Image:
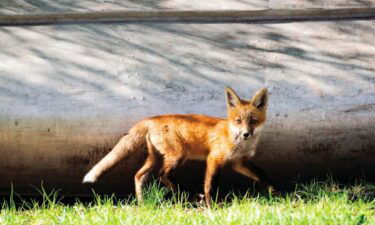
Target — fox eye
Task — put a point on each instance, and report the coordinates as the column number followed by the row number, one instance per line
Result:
column 253, row 122
column 238, row 121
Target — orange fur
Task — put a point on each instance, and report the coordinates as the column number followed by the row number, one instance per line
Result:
column 177, row 138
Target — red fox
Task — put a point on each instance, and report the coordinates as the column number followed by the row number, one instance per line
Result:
column 177, row 138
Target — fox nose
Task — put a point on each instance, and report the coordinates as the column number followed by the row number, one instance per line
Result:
column 245, row 135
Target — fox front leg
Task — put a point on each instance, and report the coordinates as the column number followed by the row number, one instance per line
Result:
column 265, row 182
column 239, row 167
column 213, row 167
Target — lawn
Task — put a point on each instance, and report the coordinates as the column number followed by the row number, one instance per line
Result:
column 315, row 203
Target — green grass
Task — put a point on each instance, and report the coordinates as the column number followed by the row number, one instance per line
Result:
column 316, row 203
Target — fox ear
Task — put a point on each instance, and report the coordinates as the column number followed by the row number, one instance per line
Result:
column 260, row 99
column 232, row 98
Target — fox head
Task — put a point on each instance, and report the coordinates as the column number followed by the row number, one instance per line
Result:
column 246, row 118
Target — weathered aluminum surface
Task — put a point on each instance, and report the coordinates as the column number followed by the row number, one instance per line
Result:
column 67, row 93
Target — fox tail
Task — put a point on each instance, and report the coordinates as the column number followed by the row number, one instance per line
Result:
column 135, row 139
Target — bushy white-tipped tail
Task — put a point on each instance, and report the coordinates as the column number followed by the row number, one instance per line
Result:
column 89, row 178
column 128, row 143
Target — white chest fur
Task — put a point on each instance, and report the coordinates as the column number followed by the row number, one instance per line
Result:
column 246, row 148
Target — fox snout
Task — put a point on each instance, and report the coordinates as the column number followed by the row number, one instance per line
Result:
column 247, row 134
column 241, row 136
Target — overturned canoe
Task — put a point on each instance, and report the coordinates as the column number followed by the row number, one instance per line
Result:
column 67, row 94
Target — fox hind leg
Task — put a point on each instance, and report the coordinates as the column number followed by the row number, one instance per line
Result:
column 143, row 175
column 169, row 166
